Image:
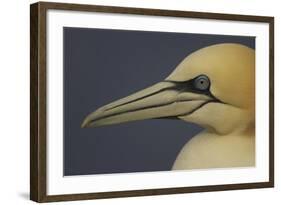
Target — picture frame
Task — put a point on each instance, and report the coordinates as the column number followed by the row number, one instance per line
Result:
column 44, row 148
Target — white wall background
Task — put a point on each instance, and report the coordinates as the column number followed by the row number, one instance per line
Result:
column 14, row 101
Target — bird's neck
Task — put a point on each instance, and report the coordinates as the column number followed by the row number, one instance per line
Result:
column 243, row 130
column 212, row 150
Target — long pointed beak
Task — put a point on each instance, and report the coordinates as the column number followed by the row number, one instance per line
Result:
column 162, row 100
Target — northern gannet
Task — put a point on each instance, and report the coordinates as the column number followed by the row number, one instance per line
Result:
column 213, row 87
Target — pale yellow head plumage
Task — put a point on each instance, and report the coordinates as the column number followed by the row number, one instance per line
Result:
column 230, row 67
column 231, row 70
column 228, row 105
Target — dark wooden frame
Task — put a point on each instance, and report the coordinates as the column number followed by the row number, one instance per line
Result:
column 38, row 101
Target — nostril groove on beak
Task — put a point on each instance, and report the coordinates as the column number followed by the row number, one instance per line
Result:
column 139, row 98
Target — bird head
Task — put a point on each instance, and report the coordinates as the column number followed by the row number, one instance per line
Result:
column 213, row 87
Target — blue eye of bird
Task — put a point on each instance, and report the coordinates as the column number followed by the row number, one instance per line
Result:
column 201, row 83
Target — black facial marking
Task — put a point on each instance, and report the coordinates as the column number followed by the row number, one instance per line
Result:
column 192, row 111
column 200, row 84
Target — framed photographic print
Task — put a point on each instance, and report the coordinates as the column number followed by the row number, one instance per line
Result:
column 133, row 102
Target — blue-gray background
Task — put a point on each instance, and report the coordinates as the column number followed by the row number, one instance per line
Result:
column 101, row 66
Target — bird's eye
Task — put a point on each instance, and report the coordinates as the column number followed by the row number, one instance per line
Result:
column 202, row 82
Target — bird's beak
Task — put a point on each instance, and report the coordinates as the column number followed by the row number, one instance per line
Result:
column 166, row 99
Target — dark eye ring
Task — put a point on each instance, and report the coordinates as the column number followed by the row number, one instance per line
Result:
column 201, row 83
